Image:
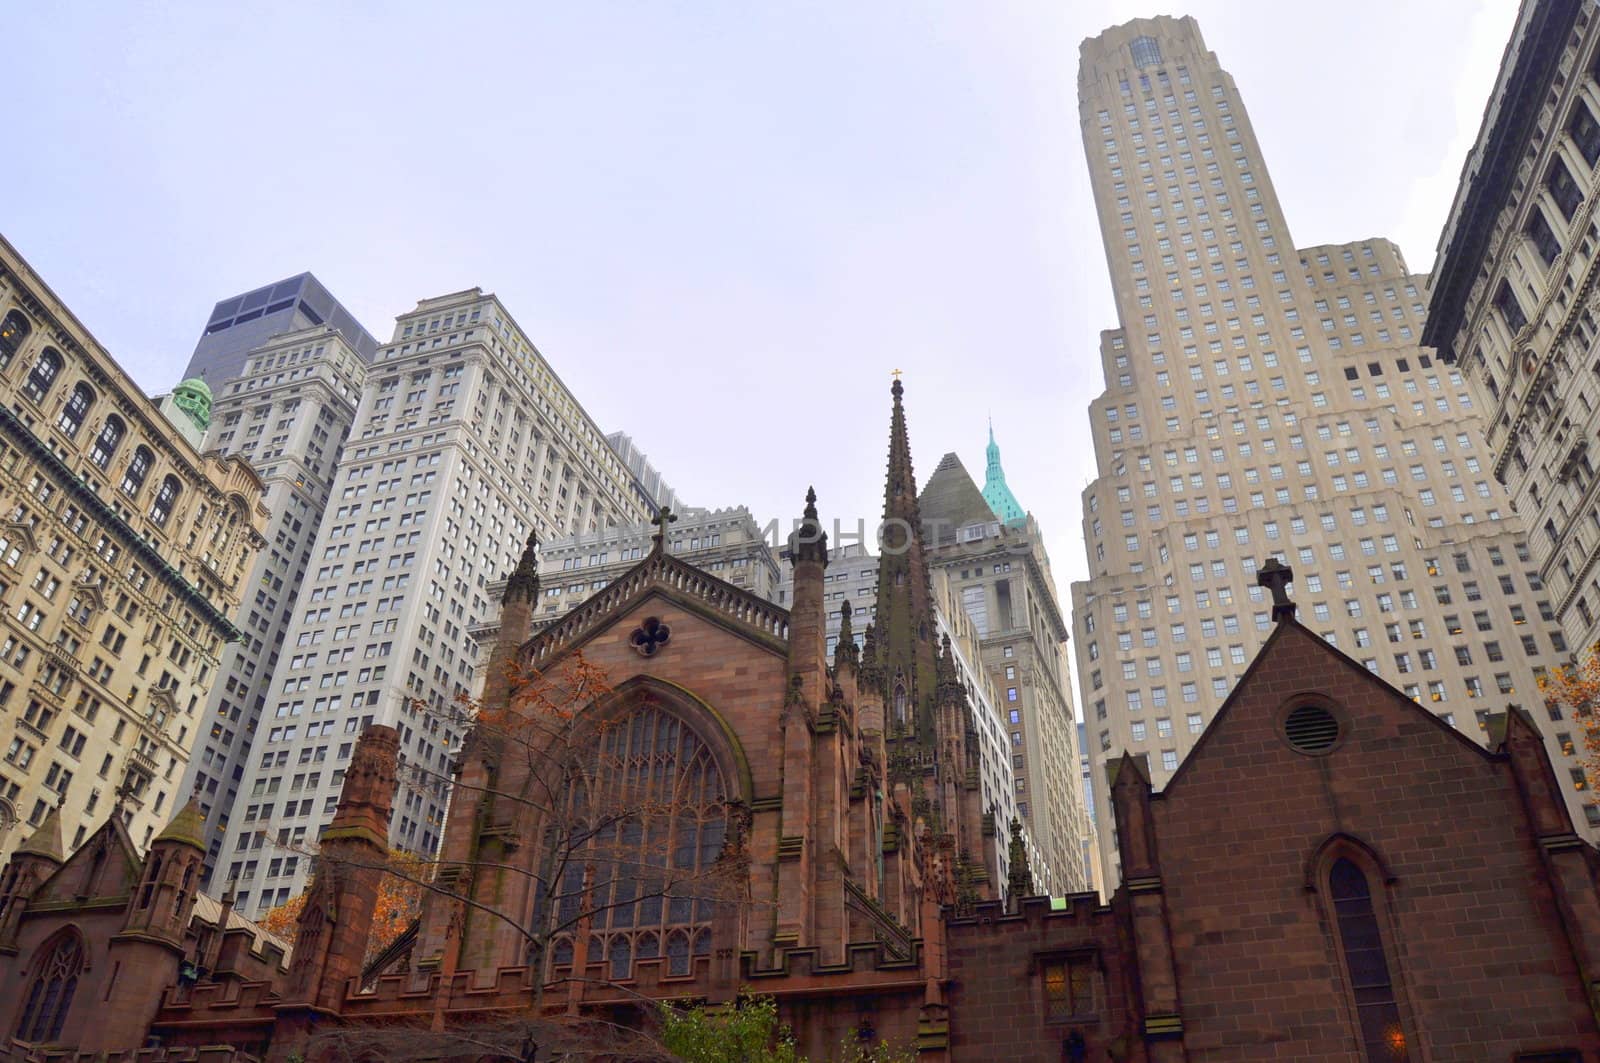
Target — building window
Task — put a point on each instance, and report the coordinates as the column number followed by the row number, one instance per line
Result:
column 1563, row 189
column 138, row 469
column 105, row 444
column 50, row 996
column 165, row 499
column 1505, row 301
column 1585, row 133
column 43, row 374
column 1377, row 1012
column 1543, row 237
column 1146, row 52
column 12, row 335
column 1068, row 988
column 75, row 410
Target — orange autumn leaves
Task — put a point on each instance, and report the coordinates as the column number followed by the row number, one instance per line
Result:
column 1575, row 688
column 399, row 901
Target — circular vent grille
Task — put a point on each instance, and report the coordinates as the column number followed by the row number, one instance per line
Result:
column 1311, row 729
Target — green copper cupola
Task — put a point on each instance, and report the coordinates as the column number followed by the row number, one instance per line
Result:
column 995, row 492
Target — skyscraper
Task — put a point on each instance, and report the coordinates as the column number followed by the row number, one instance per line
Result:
column 288, row 414
column 1511, row 299
column 999, row 577
column 1266, row 401
column 241, row 323
column 464, row 442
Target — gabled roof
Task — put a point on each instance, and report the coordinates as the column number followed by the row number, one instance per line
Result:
column 121, row 870
column 1282, row 641
column 720, row 602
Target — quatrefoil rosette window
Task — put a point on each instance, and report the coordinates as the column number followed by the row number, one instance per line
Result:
column 650, row 636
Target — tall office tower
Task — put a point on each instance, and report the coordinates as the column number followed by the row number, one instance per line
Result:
column 123, row 554
column 852, row 576
column 727, row 542
column 288, row 415
column 648, row 483
column 992, row 552
column 1263, row 401
column 1512, row 300
column 238, row 325
column 464, row 442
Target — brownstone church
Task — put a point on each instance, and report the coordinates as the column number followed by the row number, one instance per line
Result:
column 1334, row 873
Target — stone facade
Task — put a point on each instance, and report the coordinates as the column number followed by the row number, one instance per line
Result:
column 123, row 558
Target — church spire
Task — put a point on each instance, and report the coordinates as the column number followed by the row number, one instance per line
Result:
column 995, row 492
column 906, row 642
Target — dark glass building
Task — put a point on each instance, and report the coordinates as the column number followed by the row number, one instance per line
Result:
column 240, row 324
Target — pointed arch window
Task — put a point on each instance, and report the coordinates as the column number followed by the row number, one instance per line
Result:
column 165, row 499
column 138, row 469
column 75, row 410
column 13, row 333
column 1377, row 1009
column 49, row 996
column 105, row 444
column 899, row 705
column 660, row 799
column 43, row 374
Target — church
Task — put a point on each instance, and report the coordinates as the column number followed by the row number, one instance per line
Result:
column 672, row 794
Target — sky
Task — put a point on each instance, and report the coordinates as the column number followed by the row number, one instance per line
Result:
column 724, row 224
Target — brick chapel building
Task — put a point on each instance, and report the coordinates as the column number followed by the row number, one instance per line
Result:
column 1334, row 874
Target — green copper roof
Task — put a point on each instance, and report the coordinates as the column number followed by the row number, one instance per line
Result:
column 995, row 491
column 188, row 826
column 193, row 397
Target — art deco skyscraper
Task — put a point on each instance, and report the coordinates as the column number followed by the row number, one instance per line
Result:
column 463, row 442
column 1267, row 401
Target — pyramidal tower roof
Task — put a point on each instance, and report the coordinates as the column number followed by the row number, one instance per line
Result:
column 995, row 492
column 188, row 826
column 46, row 841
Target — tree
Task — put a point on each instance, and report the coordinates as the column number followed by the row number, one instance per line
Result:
column 1576, row 687
column 748, row 1031
column 399, row 902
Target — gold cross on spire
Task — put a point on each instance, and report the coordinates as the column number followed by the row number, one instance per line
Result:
column 895, row 374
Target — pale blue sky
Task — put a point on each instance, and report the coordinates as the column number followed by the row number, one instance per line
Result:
column 723, row 223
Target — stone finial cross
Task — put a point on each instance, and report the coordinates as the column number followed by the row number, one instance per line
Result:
column 1276, row 577
column 664, row 517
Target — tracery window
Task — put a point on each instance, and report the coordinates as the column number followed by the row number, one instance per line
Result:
column 660, row 800
column 50, row 995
